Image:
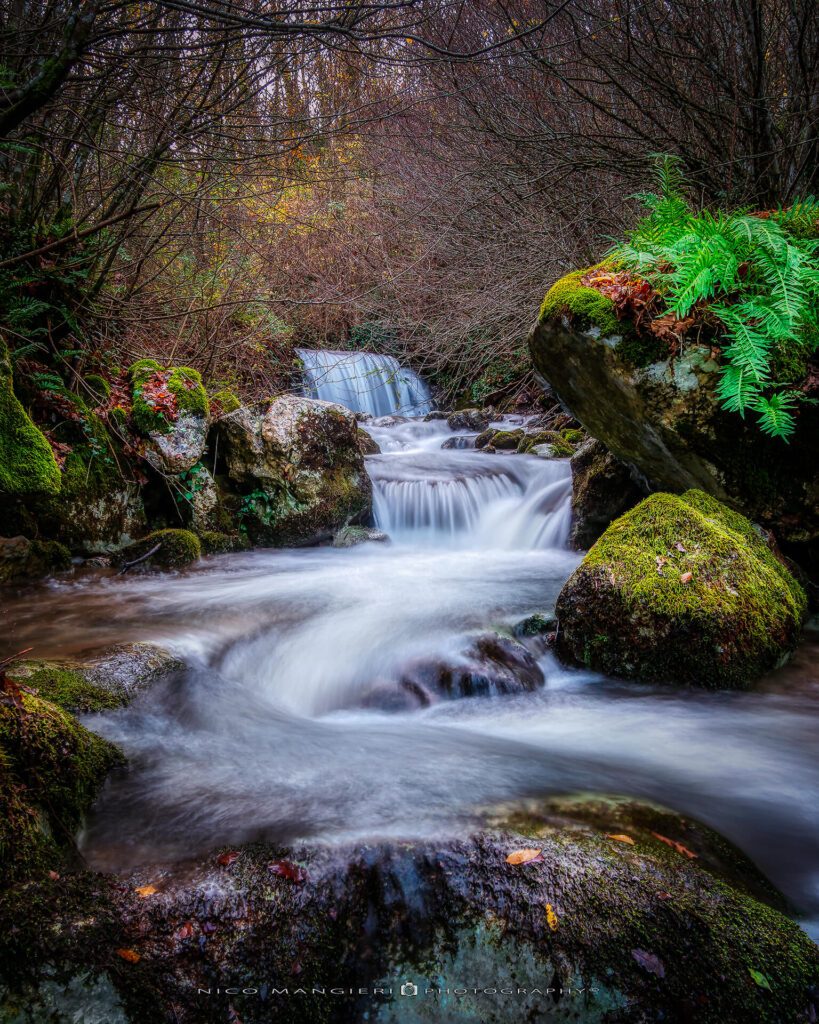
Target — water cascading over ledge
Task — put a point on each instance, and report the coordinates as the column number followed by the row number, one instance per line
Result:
column 364, row 382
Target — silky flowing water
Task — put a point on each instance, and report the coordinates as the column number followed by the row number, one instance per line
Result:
column 269, row 732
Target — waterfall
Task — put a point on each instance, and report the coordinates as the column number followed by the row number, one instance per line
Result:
column 364, row 382
column 468, row 499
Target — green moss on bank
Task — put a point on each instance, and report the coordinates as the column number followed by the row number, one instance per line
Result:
column 65, row 687
column 51, row 768
column 225, row 400
column 27, row 463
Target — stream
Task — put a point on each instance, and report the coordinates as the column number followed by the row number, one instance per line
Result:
column 274, row 731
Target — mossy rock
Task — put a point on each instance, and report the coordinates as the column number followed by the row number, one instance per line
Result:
column 586, row 307
column 22, row 559
column 215, row 543
column 574, row 435
column 505, row 440
column 51, row 768
column 175, row 549
column 66, row 686
column 620, row 931
column 561, row 448
column 224, row 400
column 99, row 386
column 681, row 589
column 27, row 463
column 367, row 444
column 182, row 382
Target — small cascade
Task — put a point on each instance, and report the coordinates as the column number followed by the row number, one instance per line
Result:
column 450, row 498
column 364, row 382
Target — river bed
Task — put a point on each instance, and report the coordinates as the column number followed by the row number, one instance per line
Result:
column 269, row 732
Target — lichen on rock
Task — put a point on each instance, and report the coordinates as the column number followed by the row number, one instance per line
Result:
column 681, row 589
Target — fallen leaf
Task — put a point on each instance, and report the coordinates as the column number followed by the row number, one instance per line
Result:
column 760, row 979
column 620, row 838
column 287, row 869
column 686, row 577
column 129, row 954
column 661, row 560
column 184, row 931
column 680, row 547
column 525, row 856
column 551, row 917
column 54, row 876
column 226, row 859
column 664, row 895
column 675, row 845
column 649, row 962
column 145, row 890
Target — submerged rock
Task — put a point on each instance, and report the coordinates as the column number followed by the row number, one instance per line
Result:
column 350, row 536
column 663, row 416
column 603, row 488
column 681, row 589
column 458, row 443
column 626, row 912
column 298, row 465
column 490, row 664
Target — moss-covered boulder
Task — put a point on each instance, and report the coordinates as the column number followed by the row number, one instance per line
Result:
column 103, row 681
column 51, row 768
column 171, row 409
column 22, row 559
column 27, row 463
column 681, row 589
column 215, row 543
column 560, row 447
column 162, row 549
column 297, row 468
column 504, row 440
column 607, row 921
column 603, row 488
column 657, row 409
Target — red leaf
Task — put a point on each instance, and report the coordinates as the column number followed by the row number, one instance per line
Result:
column 184, row 931
column 287, row 869
column 226, row 859
column 675, row 845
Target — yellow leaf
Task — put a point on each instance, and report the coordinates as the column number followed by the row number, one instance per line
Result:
column 551, row 917
column 620, row 839
column 145, row 890
column 130, row 955
column 522, row 856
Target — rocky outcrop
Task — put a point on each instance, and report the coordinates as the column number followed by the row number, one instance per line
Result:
column 469, row 419
column 660, row 413
column 297, row 465
column 603, row 488
column 684, row 590
column 587, row 910
column 22, row 559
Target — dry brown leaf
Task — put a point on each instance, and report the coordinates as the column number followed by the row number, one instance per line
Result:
column 686, row 577
column 551, row 917
column 145, row 890
column 129, row 954
column 620, row 838
column 675, row 845
column 525, row 856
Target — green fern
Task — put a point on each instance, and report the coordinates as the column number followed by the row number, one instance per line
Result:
column 758, row 274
